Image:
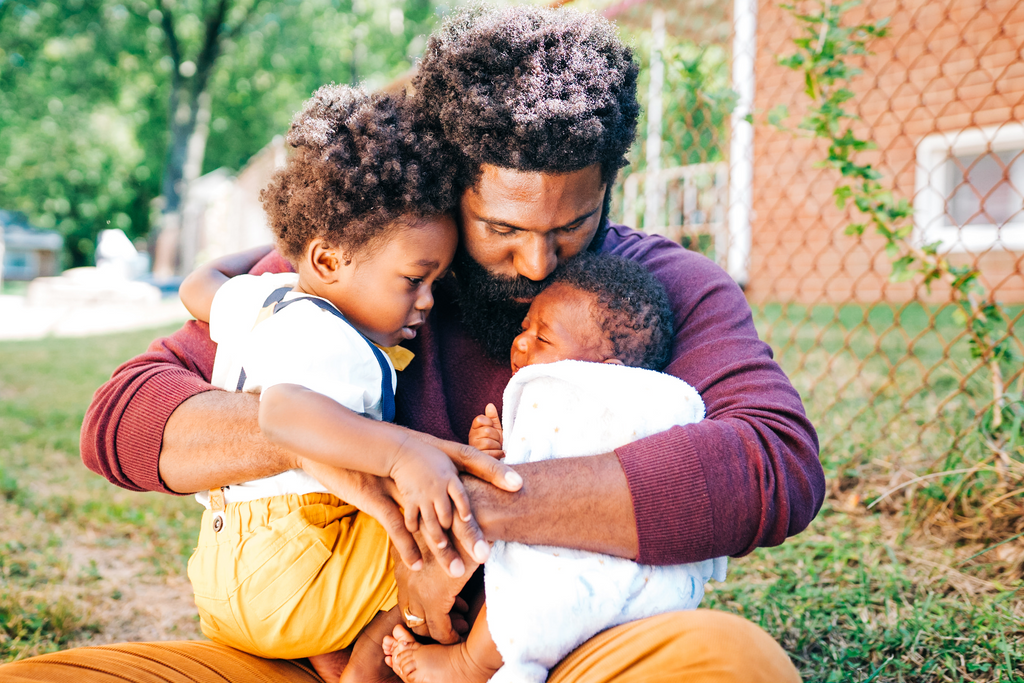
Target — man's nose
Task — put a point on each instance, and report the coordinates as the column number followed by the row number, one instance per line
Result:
column 537, row 258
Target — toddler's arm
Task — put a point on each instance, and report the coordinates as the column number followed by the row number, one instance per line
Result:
column 485, row 434
column 425, row 470
column 198, row 289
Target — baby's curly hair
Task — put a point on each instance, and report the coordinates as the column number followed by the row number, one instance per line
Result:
column 531, row 89
column 632, row 307
column 361, row 162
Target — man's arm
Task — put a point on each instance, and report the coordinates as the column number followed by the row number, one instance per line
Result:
column 745, row 477
column 585, row 497
column 159, row 425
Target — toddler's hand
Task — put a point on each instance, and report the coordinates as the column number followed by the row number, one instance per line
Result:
column 428, row 485
column 485, row 434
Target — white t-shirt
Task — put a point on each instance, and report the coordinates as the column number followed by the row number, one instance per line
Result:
column 302, row 344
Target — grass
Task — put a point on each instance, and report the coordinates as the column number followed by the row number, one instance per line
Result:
column 61, row 523
column 860, row 596
column 848, row 602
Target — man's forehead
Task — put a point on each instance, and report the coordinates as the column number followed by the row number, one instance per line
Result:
column 534, row 200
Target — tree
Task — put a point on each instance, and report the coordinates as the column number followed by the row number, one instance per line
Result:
column 86, row 89
column 189, row 102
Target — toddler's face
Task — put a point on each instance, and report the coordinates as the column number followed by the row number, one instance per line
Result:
column 560, row 325
column 386, row 293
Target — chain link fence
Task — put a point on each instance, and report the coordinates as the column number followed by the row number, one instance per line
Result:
column 912, row 410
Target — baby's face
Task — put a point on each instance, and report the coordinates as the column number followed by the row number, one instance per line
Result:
column 560, row 325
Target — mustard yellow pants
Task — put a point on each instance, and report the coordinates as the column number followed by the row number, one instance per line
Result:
column 702, row 646
column 290, row 576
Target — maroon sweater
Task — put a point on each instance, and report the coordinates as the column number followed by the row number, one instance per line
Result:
column 747, row 476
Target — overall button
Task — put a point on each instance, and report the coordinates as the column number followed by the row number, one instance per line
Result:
column 218, row 521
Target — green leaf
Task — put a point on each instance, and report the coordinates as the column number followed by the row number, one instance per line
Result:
column 842, row 194
column 778, row 115
column 901, row 271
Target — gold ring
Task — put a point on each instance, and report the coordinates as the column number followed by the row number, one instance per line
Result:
column 411, row 620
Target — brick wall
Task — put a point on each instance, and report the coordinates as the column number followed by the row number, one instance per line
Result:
column 944, row 66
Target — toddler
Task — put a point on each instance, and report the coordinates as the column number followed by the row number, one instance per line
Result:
column 283, row 568
column 541, row 603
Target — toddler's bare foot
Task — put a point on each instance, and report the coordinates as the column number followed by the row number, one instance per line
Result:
column 330, row 665
column 417, row 663
column 367, row 663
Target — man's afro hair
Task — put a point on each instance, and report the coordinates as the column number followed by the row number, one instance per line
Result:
column 632, row 307
column 360, row 163
column 531, row 89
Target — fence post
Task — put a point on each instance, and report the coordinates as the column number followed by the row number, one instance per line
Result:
column 653, row 185
column 741, row 144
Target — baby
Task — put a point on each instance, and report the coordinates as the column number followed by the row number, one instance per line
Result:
column 283, row 568
column 541, row 603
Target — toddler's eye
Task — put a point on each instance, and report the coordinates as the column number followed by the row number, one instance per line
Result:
column 415, row 281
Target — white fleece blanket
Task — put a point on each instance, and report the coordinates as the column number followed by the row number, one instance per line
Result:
column 543, row 602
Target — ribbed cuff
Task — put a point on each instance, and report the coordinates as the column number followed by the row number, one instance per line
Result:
column 669, row 488
column 140, row 430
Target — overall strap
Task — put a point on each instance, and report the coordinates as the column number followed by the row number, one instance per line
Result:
column 265, row 312
column 387, row 390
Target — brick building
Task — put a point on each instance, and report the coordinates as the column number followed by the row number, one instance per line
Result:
column 942, row 97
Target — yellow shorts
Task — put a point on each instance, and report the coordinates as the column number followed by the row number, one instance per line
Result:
column 291, row 576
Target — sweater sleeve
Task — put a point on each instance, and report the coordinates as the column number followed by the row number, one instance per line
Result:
column 749, row 474
column 123, row 428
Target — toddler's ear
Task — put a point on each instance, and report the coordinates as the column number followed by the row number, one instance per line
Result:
column 613, row 361
column 325, row 261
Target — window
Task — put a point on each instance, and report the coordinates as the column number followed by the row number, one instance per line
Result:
column 970, row 189
column 20, row 265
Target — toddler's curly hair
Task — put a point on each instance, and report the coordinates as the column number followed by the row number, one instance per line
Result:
column 361, row 162
column 531, row 89
column 631, row 306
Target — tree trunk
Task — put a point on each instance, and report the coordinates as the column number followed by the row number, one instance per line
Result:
column 188, row 97
column 184, row 111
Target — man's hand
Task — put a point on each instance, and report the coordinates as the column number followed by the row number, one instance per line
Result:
column 433, row 595
column 466, row 532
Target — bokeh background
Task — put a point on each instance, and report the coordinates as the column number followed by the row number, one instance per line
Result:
column 857, row 168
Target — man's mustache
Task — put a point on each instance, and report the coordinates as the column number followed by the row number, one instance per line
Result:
column 517, row 287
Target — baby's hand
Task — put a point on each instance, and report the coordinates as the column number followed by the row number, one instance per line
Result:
column 485, row 434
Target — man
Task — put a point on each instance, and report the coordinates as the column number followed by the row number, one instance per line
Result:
column 542, row 105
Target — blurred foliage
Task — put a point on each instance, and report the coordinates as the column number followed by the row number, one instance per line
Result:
column 85, row 84
column 697, row 103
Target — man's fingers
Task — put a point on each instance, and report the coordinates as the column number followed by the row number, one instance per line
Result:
column 490, row 470
column 415, row 609
column 405, row 544
column 469, row 536
column 439, row 627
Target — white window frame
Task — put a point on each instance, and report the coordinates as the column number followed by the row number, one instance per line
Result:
column 931, row 192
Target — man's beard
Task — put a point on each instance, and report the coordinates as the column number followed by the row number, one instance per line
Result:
column 490, row 312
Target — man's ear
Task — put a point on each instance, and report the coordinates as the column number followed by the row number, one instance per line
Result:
column 613, row 361
column 325, row 261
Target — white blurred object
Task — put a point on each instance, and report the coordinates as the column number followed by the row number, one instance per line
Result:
column 91, row 286
column 115, row 253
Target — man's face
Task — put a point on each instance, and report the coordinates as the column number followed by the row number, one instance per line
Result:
column 516, row 226
column 521, row 224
